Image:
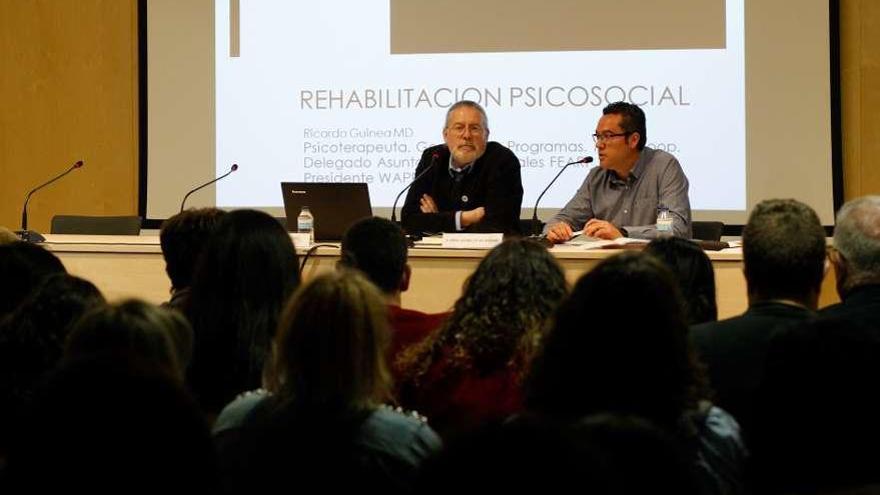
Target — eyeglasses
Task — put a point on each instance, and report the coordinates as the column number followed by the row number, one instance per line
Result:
column 461, row 128
column 601, row 138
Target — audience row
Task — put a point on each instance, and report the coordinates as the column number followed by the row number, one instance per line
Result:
column 623, row 383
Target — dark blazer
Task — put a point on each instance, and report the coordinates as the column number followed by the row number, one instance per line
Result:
column 816, row 411
column 735, row 351
column 493, row 182
column 862, row 305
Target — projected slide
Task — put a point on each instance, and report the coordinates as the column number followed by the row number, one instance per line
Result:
column 354, row 91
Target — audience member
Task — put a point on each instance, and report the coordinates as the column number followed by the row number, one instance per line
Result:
column 470, row 370
column 111, row 425
column 815, row 417
column 245, row 274
column 134, row 328
column 856, row 260
column 377, row 247
column 23, row 267
column 619, row 345
column 694, row 274
column 601, row 455
column 323, row 423
column 183, row 237
column 32, row 341
column 784, row 263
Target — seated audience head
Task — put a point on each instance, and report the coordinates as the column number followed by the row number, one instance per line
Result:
column 244, row 276
column 377, row 247
column 619, row 344
column 183, row 236
column 23, row 266
column 331, row 342
column 602, row 454
column 500, row 318
column 857, row 244
column 784, row 252
column 110, row 425
column 694, row 273
column 32, row 340
column 133, row 328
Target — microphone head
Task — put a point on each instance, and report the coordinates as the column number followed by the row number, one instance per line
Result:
column 234, row 167
column 587, row 159
column 78, row 164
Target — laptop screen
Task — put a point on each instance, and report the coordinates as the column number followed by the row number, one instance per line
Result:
column 335, row 206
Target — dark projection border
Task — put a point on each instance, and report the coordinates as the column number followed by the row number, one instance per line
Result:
column 142, row 116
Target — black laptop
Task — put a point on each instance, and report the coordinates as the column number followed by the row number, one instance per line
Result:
column 335, row 206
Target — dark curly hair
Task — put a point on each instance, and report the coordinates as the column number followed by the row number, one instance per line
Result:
column 500, row 318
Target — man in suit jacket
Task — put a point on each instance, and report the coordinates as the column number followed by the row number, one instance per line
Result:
column 856, row 260
column 817, row 376
column 784, row 263
column 473, row 185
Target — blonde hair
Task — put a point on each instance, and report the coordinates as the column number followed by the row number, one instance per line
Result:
column 331, row 344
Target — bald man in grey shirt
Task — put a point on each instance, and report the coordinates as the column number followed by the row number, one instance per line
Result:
column 621, row 197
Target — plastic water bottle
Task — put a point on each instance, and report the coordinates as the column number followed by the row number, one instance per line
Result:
column 664, row 222
column 305, row 223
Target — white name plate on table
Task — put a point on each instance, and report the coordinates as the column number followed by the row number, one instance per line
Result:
column 471, row 241
column 301, row 240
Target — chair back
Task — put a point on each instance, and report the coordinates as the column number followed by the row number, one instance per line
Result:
column 87, row 225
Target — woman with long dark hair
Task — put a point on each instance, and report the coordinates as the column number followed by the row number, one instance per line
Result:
column 469, row 371
column 619, row 345
column 245, row 274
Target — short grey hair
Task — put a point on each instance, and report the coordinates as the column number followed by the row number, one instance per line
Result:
column 857, row 238
column 467, row 103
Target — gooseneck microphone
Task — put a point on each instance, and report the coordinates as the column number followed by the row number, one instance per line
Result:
column 29, row 235
column 206, row 184
column 535, row 221
column 434, row 158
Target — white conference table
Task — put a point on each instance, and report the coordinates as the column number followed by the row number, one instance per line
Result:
column 132, row 266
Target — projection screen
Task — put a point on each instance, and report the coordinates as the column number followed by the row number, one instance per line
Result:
column 353, row 91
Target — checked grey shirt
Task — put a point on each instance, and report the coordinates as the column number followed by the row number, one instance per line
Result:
column 656, row 180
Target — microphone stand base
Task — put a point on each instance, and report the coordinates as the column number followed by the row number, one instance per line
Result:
column 542, row 239
column 30, row 236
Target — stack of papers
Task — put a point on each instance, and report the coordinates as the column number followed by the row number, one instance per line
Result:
column 588, row 242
